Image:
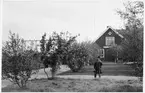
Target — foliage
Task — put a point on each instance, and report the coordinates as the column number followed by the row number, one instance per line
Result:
column 77, row 56
column 133, row 45
column 54, row 50
column 116, row 51
column 17, row 61
column 92, row 51
column 133, row 14
column 139, row 70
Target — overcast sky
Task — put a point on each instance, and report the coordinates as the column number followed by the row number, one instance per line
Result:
column 31, row 18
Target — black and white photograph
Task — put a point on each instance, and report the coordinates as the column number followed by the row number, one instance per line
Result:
column 72, row 45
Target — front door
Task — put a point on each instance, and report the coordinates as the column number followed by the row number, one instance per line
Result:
column 108, row 56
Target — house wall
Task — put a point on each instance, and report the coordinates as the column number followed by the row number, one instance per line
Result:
column 102, row 42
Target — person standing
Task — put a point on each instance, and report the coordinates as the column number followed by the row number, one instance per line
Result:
column 97, row 66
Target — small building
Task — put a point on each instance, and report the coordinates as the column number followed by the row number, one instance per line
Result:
column 107, row 39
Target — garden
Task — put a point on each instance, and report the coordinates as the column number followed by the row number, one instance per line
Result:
column 62, row 64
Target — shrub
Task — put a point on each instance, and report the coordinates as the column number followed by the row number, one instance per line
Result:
column 54, row 50
column 77, row 57
column 116, row 51
column 17, row 61
column 92, row 51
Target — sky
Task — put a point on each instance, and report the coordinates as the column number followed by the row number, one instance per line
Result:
column 32, row 18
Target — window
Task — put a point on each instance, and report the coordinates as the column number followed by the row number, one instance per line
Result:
column 110, row 41
column 101, row 53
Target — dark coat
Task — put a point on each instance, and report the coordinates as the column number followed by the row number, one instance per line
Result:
column 98, row 65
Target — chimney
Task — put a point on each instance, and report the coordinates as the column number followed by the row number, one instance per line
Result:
column 108, row 26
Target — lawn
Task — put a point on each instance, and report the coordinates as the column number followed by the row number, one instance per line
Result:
column 105, row 84
column 109, row 68
column 79, row 85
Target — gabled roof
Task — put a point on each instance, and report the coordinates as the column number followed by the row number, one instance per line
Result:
column 117, row 32
column 109, row 27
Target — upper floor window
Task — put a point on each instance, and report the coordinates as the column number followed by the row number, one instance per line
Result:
column 110, row 41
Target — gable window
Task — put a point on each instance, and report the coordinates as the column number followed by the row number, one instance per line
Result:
column 110, row 41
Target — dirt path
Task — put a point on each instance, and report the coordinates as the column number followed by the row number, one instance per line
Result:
column 103, row 77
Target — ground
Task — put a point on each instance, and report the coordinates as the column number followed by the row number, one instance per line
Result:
column 115, row 78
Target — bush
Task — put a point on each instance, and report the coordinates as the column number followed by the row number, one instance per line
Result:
column 115, row 53
column 54, row 50
column 77, row 57
column 17, row 61
column 92, row 51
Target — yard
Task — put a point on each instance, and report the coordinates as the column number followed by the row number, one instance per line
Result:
column 115, row 78
column 108, row 68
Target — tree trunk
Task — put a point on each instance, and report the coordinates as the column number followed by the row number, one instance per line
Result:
column 53, row 71
column 46, row 73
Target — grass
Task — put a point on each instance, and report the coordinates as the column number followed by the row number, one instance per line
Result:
column 107, row 69
column 77, row 85
column 84, row 85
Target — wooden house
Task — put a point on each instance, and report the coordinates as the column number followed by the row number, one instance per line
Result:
column 107, row 39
